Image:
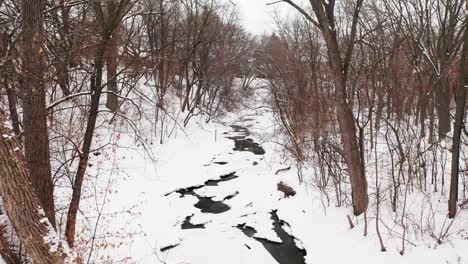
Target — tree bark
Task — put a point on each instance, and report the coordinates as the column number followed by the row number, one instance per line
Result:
column 23, row 206
column 34, row 105
column 11, row 95
column 442, row 98
column 348, row 130
column 458, row 127
column 112, row 102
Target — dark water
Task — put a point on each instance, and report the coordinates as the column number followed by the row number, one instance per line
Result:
column 168, row 247
column 229, row 197
column 238, row 132
column 206, row 204
column 240, row 129
column 248, row 145
column 223, row 178
column 285, row 252
column 190, row 190
column 187, row 225
column 241, row 143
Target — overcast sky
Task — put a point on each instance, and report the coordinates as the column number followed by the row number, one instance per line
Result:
column 257, row 17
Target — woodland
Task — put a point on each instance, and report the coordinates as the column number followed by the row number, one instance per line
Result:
column 121, row 119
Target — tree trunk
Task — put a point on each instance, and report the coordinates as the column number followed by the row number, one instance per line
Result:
column 348, row 134
column 112, row 102
column 343, row 110
column 63, row 77
column 23, row 206
column 109, row 23
column 11, row 95
column 459, row 117
column 6, row 75
column 442, row 98
column 64, row 58
column 96, row 88
column 34, row 110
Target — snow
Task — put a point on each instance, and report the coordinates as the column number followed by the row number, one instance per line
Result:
column 53, row 240
column 8, row 137
column 143, row 213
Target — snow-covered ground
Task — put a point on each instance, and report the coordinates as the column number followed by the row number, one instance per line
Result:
column 147, row 203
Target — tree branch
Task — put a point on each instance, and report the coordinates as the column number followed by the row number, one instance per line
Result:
column 352, row 37
column 301, row 10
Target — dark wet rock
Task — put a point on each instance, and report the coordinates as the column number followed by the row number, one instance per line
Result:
column 169, row 247
column 248, row 145
column 285, row 252
column 188, row 225
column 255, row 163
column 207, row 205
column 220, row 162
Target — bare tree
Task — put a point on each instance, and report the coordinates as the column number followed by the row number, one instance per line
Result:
column 34, row 105
column 339, row 65
column 108, row 23
column 459, row 118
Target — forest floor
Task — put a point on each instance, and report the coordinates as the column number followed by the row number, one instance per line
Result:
column 201, row 201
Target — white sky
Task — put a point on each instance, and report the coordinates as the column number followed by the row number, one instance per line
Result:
column 257, row 17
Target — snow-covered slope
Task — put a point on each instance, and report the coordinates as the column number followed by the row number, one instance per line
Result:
column 201, row 202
